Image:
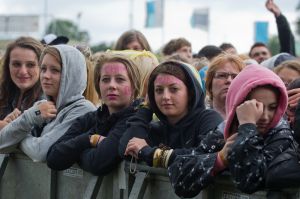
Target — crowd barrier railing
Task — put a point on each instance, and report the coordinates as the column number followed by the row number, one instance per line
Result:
column 22, row 178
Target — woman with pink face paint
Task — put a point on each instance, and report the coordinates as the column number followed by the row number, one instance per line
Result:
column 176, row 98
column 20, row 86
column 93, row 139
column 255, row 136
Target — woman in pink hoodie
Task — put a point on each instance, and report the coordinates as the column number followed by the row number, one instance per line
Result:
column 255, row 134
column 255, row 131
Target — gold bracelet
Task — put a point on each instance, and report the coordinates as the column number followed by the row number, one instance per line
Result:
column 156, row 158
column 94, row 139
column 163, row 157
column 168, row 157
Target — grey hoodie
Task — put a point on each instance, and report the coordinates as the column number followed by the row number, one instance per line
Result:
column 70, row 104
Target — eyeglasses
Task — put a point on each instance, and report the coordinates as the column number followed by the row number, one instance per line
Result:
column 225, row 75
column 264, row 53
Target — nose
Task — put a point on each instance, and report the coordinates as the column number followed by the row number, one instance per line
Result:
column 264, row 116
column 229, row 79
column 46, row 74
column 112, row 84
column 166, row 95
column 23, row 69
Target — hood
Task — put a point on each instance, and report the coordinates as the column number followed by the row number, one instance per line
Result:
column 274, row 61
column 249, row 78
column 195, row 105
column 73, row 78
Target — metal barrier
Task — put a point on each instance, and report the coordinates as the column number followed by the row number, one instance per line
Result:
column 22, row 178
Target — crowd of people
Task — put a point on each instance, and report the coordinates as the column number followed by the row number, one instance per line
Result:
column 195, row 115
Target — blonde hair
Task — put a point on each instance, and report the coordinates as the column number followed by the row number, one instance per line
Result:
column 217, row 64
column 291, row 64
column 145, row 61
column 89, row 92
column 51, row 51
column 132, row 70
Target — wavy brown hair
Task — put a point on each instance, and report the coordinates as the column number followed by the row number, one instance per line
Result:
column 131, row 36
column 7, row 86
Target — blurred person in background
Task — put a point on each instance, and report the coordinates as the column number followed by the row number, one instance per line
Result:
column 179, row 46
column 132, row 40
column 222, row 70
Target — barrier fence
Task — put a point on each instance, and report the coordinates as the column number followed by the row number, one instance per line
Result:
column 22, row 178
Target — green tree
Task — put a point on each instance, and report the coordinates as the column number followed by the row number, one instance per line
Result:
column 68, row 29
column 298, row 20
column 101, row 47
column 273, row 45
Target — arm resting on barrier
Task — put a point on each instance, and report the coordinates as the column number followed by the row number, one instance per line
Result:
column 67, row 149
column 251, row 154
column 18, row 129
column 37, row 147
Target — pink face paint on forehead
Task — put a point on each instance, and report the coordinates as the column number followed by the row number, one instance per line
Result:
column 167, row 80
column 113, row 68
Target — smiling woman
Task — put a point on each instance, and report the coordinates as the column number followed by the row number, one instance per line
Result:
column 63, row 78
column 20, row 86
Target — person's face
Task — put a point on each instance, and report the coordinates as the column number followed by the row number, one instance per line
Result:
column 23, row 68
column 222, row 80
column 270, row 103
column 171, row 97
column 186, row 51
column 115, row 86
column 288, row 75
column 135, row 45
column 50, row 76
column 260, row 54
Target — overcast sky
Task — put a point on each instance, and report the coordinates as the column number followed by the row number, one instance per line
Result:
column 105, row 20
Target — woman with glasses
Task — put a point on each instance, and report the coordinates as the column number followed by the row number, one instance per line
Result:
column 222, row 70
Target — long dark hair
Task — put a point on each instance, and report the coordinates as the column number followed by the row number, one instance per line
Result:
column 8, row 89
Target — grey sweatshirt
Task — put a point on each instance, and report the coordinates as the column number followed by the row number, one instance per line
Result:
column 70, row 104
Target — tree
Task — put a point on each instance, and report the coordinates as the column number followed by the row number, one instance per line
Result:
column 298, row 20
column 67, row 28
column 101, row 47
column 273, row 45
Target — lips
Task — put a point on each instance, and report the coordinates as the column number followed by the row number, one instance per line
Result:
column 112, row 96
column 23, row 79
column 46, row 84
column 167, row 105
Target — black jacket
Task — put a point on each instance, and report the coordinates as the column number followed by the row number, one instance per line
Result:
column 285, row 35
column 190, row 173
column 252, row 154
column 187, row 136
column 74, row 146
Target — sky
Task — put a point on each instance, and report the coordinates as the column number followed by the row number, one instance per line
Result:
column 105, row 20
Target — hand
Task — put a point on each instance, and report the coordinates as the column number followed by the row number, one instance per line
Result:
column 47, row 109
column 249, row 112
column 272, row 7
column 96, row 139
column 12, row 116
column 134, row 146
column 227, row 147
column 294, row 97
